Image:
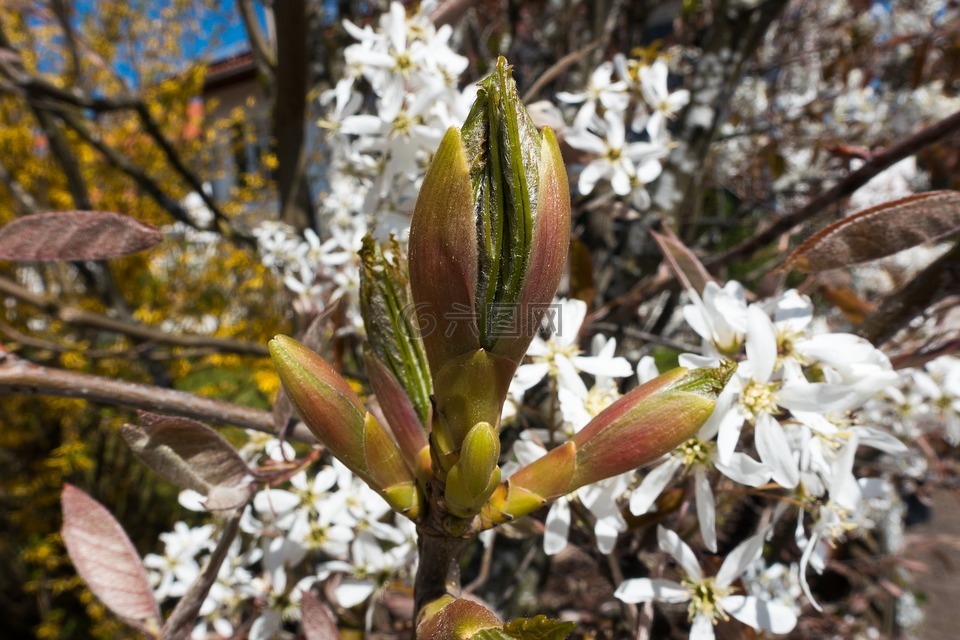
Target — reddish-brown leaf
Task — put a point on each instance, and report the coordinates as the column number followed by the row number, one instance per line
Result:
column 686, row 266
column 317, row 619
column 106, row 559
column 75, row 235
column 192, row 456
column 879, row 231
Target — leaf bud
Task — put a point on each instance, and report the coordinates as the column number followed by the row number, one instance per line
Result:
column 476, row 474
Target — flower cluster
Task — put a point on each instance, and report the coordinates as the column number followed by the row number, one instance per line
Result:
column 629, row 158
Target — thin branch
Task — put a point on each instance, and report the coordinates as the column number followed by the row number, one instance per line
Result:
column 20, row 376
column 938, row 280
column 181, row 621
column 904, row 149
column 83, row 318
column 557, row 69
column 20, row 195
column 260, row 46
column 451, row 11
column 877, row 163
column 609, row 25
column 122, row 163
column 177, row 163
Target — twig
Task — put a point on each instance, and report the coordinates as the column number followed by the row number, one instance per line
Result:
column 185, row 614
column 556, row 69
column 877, row 163
column 631, row 616
column 177, row 163
column 84, row 318
column 451, row 11
column 609, row 24
column 486, row 561
column 20, row 376
column 260, row 46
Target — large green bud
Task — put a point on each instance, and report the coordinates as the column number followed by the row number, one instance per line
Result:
column 488, row 243
column 638, row 428
column 338, row 419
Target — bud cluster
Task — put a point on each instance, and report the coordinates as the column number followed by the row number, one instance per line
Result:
column 489, row 237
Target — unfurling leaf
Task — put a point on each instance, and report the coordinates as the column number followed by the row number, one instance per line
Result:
column 75, row 235
column 449, row 618
column 106, row 559
column 389, row 319
column 192, row 456
column 879, row 231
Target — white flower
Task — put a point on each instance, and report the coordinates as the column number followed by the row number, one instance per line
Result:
column 719, row 316
column 940, row 383
column 560, row 356
column 665, row 105
column 600, row 88
column 711, row 598
column 600, row 498
column 698, row 457
column 616, row 159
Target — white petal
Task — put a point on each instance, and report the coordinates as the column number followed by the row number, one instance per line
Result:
column 527, row 376
column 706, row 510
column 881, row 440
column 837, row 348
column 671, row 543
column 557, row 527
column 816, row 396
column 761, row 343
column 527, row 451
column 696, row 317
column 637, row 590
column 646, row 369
column 643, row 497
column 728, row 435
column 264, row 627
column 793, row 312
column 804, row 562
column 616, row 133
column 744, row 469
column 702, row 628
column 760, row 614
column 774, row 450
column 352, row 592
column 617, row 367
column 620, row 179
column 568, row 377
column 572, row 313
column 362, row 125
column 579, row 138
column 607, row 530
column 743, row 555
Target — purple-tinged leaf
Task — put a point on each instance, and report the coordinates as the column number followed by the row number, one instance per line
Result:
column 317, row 619
column 682, row 261
column 192, row 456
column 879, row 231
column 106, row 559
column 75, row 235
column 398, row 409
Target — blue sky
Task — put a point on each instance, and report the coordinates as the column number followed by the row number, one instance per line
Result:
column 224, row 21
